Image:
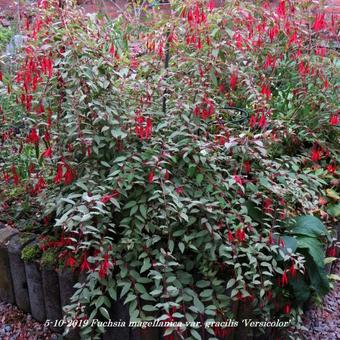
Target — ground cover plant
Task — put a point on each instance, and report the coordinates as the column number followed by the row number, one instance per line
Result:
column 178, row 161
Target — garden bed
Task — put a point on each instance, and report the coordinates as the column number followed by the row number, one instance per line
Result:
column 180, row 168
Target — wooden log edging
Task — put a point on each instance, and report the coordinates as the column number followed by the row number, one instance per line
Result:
column 17, row 268
column 6, row 283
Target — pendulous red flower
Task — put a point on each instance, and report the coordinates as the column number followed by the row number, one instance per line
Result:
column 151, row 176
column 33, row 137
column 287, row 308
column 331, row 168
column 233, row 80
column 284, row 279
column 319, row 22
column 334, row 119
column 316, row 154
column 47, row 153
column 85, row 266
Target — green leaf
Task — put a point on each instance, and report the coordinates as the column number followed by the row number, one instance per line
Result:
column 146, row 265
column 254, row 212
column 309, row 226
column 104, row 312
column 199, row 305
column 143, row 210
column 202, row 284
column 181, row 247
column 334, row 210
column 130, row 297
column 125, row 289
column 195, row 334
column 113, row 293
column 314, row 248
column 199, row 179
column 149, row 308
column 230, row 283
column 289, row 242
column 206, row 293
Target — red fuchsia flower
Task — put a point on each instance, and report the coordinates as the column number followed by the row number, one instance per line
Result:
column 199, row 43
column 238, row 40
column 41, row 184
column 320, row 51
column 281, row 9
column 203, row 17
column 316, row 154
column 253, row 121
column 281, row 243
column 172, row 37
column 143, row 128
column 0, row 76
column 269, row 295
column 85, row 266
column 15, row 175
column 230, row 236
column 283, row 215
column 331, row 252
column 238, row 179
column 262, row 121
column 68, row 176
column 331, row 168
column 273, row 32
column 267, row 205
column 70, row 262
column 240, row 235
column 287, row 308
column 211, row 5
column 112, row 50
column 319, row 22
column 270, row 238
column 166, row 175
column 270, row 61
column 151, row 176
column 303, row 68
column 104, row 267
column 233, row 80
column 325, row 84
column 47, row 153
column 247, row 166
column 179, row 190
column 266, row 91
column 292, row 270
column 187, row 39
column 106, row 198
column 59, row 175
column 134, row 63
column 284, row 279
column 33, row 137
column 6, row 177
column 334, row 119
column 293, row 39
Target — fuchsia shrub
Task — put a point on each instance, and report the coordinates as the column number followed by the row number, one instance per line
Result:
column 186, row 212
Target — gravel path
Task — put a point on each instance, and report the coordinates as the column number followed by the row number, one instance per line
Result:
column 323, row 322
column 16, row 325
